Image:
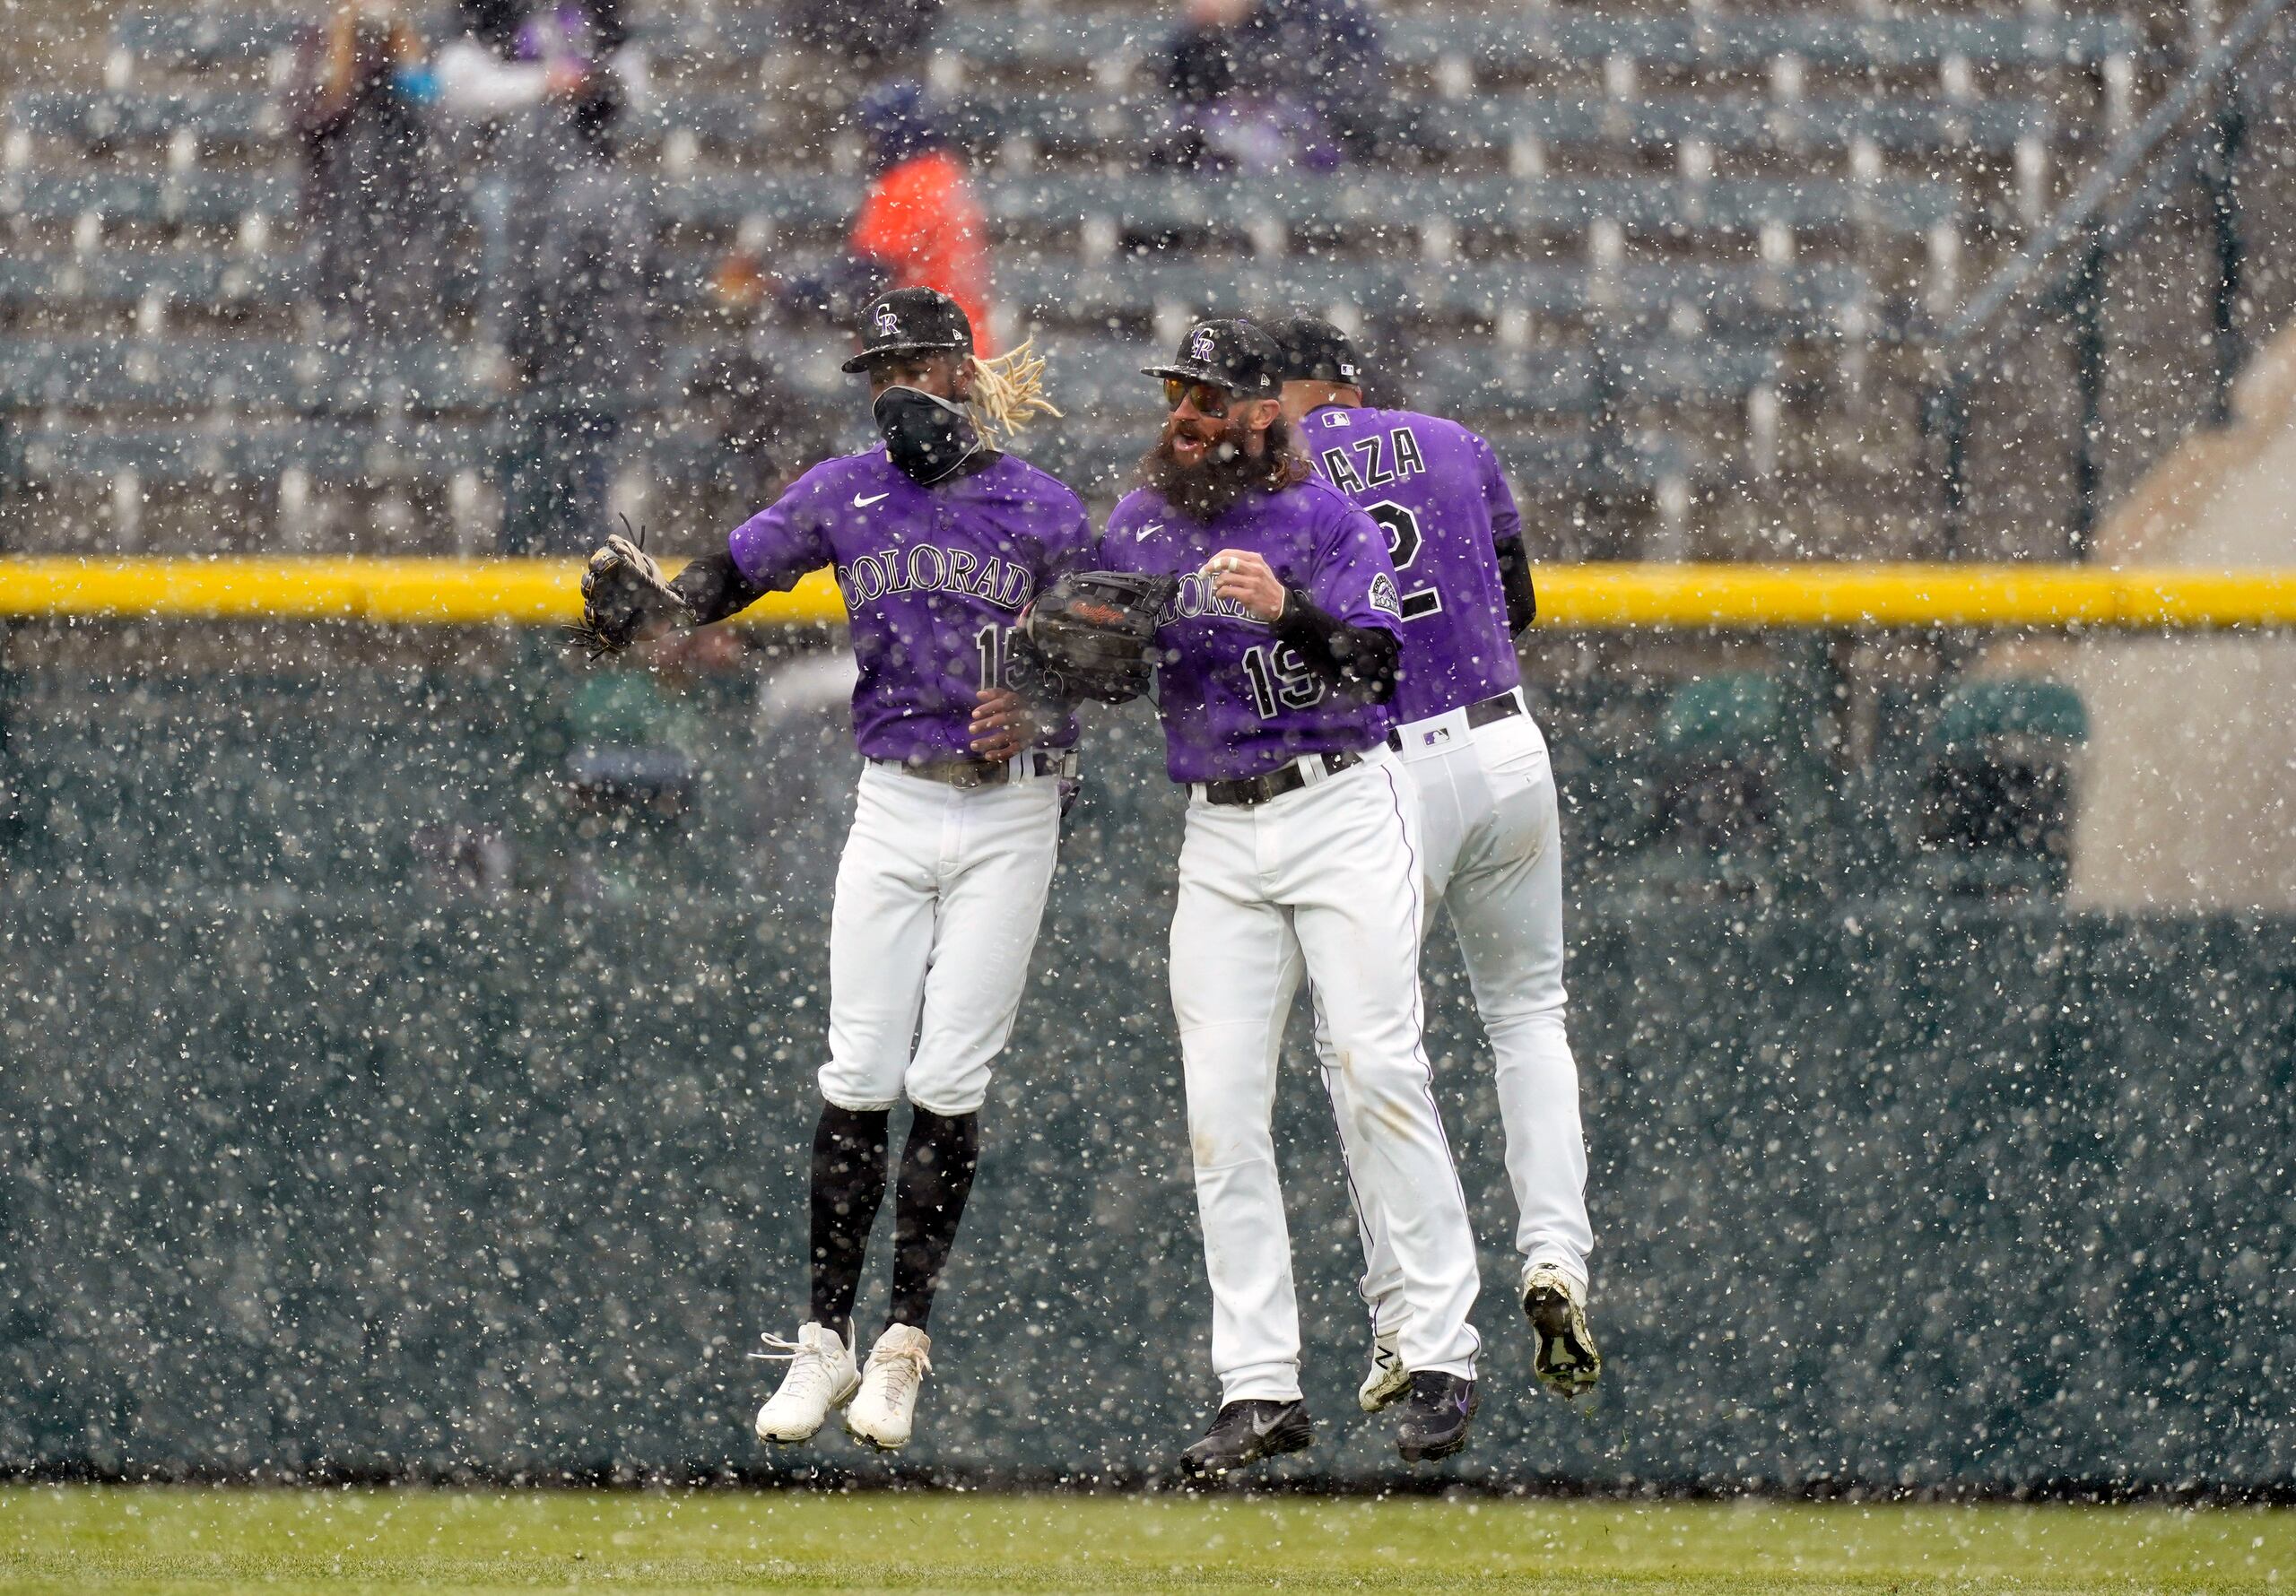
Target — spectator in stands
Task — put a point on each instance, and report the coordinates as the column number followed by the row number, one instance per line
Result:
column 357, row 96
column 869, row 34
column 765, row 437
column 536, row 84
column 1259, row 85
column 919, row 225
column 583, row 344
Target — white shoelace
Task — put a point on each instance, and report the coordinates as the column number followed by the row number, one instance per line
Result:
column 810, row 1362
column 906, row 1369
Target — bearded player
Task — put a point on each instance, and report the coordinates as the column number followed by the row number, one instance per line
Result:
column 938, row 541
column 1274, row 652
column 1491, row 838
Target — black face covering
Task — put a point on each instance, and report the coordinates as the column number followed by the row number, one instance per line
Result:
column 927, row 437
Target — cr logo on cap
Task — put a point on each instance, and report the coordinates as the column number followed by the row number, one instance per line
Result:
column 888, row 324
column 1201, row 348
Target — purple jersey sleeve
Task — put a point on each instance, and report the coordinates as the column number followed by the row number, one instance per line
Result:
column 1354, row 578
column 783, row 542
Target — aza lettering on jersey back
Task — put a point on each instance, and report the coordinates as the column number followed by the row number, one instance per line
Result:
column 1436, row 492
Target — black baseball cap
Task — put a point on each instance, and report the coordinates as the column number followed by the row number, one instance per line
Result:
column 1234, row 355
column 910, row 321
column 1314, row 350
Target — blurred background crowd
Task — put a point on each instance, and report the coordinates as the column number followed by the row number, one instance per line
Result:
column 502, row 121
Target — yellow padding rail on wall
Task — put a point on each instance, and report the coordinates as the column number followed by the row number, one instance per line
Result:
column 1571, row 597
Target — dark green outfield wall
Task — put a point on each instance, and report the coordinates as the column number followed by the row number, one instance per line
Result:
column 311, row 1159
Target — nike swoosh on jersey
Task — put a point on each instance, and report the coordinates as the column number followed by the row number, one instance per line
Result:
column 862, row 501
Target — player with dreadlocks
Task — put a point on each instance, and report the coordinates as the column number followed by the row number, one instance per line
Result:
column 938, row 541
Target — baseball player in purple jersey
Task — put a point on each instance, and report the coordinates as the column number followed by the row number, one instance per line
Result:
column 1274, row 657
column 1491, row 841
column 937, row 539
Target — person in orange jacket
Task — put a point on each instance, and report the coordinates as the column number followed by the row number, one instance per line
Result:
column 919, row 226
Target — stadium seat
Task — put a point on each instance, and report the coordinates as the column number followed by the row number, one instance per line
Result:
column 208, row 278
column 95, row 116
column 1500, row 122
column 1997, row 814
column 182, row 199
column 1793, row 301
column 1908, row 126
column 200, row 39
column 1513, row 40
column 1365, row 205
column 1714, row 791
column 330, row 451
column 239, row 374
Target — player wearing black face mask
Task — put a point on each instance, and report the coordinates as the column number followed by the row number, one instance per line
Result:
column 928, row 436
column 936, row 406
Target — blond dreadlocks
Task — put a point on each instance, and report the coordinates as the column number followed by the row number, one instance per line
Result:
column 1008, row 392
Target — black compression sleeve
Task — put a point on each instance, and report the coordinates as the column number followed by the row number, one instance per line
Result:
column 1358, row 660
column 713, row 588
column 1515, row 582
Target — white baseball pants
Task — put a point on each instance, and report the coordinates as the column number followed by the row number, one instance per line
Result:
column 940, row 892
column 1491, row 853
column 1324, row 882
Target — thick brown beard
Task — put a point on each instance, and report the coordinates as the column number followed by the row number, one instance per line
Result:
column 1208, row 491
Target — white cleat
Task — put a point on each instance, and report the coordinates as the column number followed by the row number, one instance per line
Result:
column 822, row 1378
column 885, row 1411
column 1387, row 1380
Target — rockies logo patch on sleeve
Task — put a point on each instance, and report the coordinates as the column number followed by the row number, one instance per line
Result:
column 1383, row 596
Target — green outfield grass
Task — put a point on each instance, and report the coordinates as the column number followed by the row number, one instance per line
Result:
column 156, row 1540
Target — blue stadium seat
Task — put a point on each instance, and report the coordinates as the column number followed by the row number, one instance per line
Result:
column 1801, row 299
column 198, row 40
column 1908, row 126
column 108, row 116
column 210, row 279
column 1502, row 41
column 1366, row 205
column 326, row 451
column 191, row 199
column 237, row 374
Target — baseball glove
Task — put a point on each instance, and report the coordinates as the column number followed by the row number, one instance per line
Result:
column 624, row 599
column 1092, row 634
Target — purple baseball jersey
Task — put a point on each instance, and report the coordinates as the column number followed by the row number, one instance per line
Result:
column 1436, row 490
column 932, row 579
column 1235, row 700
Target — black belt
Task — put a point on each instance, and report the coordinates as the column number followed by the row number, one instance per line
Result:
column 1478, row 715
column 984, row 773
column 1290, row 778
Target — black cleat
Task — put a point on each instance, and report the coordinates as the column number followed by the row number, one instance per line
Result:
column 1246, row 1432
column 1564, row 1357
column 1435, row 1417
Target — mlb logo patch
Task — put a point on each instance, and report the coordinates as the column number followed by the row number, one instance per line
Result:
column 888, row 324
column 1435, row 737
column 1347, row 371
column 1201, row 350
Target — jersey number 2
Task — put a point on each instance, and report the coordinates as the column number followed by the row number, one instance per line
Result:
column 1402, row 528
